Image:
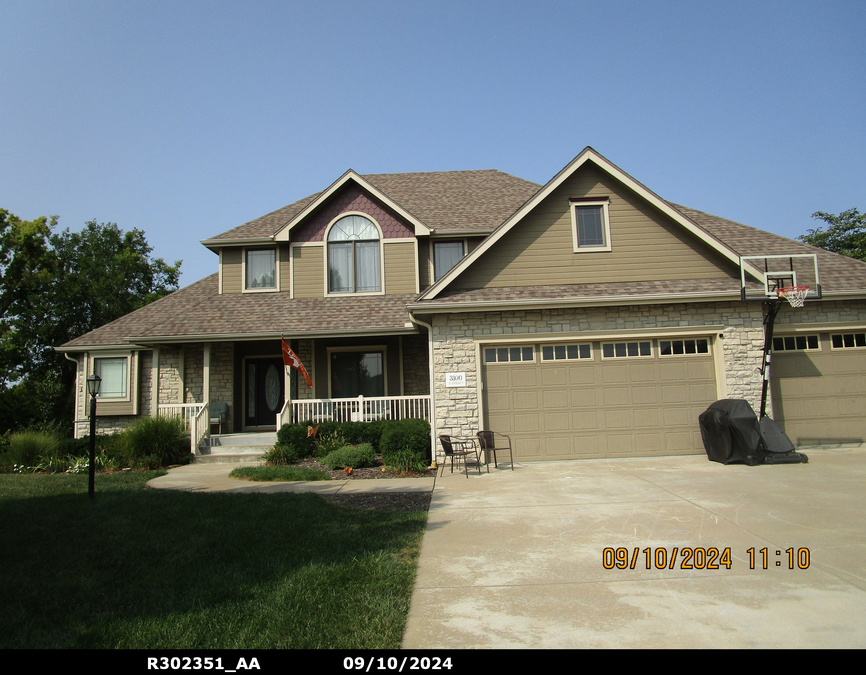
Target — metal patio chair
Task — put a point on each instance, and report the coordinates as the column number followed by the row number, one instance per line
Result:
column 219, row 414
column 492, row 441
column 460, row 448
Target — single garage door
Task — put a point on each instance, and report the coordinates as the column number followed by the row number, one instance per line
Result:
column 618, row 398
column 818, row 385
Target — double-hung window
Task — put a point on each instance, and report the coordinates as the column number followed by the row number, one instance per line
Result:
column 261, row 270
column 353, row 256
column 115, row 376
column 446, row 254
column 590, row 224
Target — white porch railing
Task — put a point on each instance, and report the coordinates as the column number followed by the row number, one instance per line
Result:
column 361, row 409
column 196, row 417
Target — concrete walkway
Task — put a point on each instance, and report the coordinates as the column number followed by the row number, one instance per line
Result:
column 516, row 559
column 215, row 478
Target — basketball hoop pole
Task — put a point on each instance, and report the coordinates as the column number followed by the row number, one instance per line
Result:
column 773, row 307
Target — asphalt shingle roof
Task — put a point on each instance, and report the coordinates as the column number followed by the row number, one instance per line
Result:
column 442, row 201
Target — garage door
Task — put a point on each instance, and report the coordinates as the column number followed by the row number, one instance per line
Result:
column 818, row 387
column 623, row 398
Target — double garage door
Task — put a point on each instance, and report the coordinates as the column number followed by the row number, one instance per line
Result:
column 618, row 398
column 819, row 387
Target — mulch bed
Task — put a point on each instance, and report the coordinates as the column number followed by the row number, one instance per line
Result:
column 385, row 501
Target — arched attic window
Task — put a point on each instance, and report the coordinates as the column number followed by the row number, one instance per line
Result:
column 353, row 256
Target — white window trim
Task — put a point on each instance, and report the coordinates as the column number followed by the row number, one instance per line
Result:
column 350, row 294
column 130, row 382
column 276, row 287
column 604, row 203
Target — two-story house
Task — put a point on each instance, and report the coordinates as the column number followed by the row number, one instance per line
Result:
column 587, row 318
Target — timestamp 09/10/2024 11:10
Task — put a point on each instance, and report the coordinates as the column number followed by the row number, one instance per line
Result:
column 700, row 558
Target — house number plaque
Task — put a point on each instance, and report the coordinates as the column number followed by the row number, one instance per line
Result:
column 455, row 379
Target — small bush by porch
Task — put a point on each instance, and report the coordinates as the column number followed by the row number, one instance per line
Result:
column 404, row 445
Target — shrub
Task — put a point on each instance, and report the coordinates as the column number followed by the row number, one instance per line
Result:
column 412, row 435
column 328, row 442
column 406, row 461
column 281, row 454
column 29, row 447
column 351, row 456
column 155, row 442
column 296, row 436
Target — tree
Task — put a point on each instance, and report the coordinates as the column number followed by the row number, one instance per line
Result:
column 55, row 286
column 846, row 233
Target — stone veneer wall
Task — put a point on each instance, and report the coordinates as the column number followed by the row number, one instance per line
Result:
column 416, row 366
column 305, row 353
column 145, row 379
column 169, row 375
column 455, row 338
column 193, row 373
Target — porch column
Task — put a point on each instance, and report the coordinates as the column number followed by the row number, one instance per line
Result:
column 154, row 383
column 205, row 384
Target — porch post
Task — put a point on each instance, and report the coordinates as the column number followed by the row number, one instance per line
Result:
column 205, row 384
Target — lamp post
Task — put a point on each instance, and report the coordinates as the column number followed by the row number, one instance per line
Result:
column 93, row 383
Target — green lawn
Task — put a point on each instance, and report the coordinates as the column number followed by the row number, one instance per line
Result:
column 162, row 569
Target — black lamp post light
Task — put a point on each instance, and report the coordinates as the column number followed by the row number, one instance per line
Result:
column 93, row 383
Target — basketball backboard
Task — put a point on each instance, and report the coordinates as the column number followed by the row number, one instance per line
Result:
column 761, row 276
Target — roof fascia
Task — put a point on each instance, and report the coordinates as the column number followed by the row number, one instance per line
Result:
column 588, row 154
column 283, row 233
column 494, row 305
column 214, row 244
column 248, row 337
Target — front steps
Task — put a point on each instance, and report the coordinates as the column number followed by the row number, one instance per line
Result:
column 237, row 448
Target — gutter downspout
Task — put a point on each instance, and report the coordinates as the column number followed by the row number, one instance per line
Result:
column 429, row 328
column 75, row 418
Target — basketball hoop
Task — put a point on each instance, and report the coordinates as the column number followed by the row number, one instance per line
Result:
column 796, row 295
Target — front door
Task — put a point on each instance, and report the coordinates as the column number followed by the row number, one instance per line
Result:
column 265, row 394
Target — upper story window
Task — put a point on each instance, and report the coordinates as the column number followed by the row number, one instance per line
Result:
column 261, row 270
column 114, row 373
column 446, row 254
column 353, row 256
column 590, row 224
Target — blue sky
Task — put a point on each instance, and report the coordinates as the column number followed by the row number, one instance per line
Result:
column 184, row 119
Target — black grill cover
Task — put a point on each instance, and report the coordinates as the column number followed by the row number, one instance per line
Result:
column 731, row 432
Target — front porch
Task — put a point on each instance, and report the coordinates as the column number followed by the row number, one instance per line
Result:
column 352, row 378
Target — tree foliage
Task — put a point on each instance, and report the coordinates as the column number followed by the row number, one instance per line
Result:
column 55, row 286
column 846, row 233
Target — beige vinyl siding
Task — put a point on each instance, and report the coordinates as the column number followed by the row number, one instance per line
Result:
column 285, row 263
column 399, row 267
column 646, row 245
column 309, row 271
column 472, row 243
column 232, row 270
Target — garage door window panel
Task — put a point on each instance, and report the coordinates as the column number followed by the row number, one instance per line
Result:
column 623, row 350
column 791, row 343
column 509, row 354
column 849, row 341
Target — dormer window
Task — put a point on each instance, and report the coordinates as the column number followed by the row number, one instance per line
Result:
column 261, row 270
column 446, row 254
column 590, row 224
column 353, row 256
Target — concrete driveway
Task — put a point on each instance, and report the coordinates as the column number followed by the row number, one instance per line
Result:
column 516, row 559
